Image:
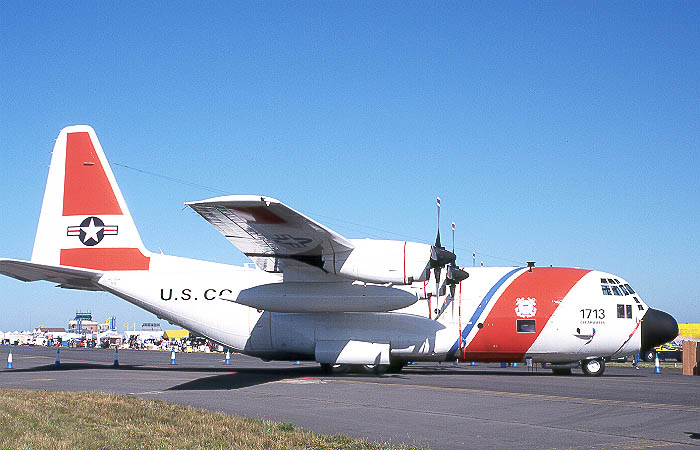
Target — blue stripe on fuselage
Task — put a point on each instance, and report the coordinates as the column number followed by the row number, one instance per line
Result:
column 481, row 307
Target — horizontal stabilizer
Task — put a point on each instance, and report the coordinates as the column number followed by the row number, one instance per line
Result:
column 66, row 277
column 324, row 297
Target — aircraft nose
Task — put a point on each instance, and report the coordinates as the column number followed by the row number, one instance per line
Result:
column 658, row 328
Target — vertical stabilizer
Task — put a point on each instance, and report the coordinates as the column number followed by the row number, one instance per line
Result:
column 84, row 219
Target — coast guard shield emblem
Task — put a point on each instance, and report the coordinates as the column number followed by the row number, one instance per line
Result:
column 525, row 307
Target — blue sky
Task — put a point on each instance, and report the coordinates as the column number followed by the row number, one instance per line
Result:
column 565, row 133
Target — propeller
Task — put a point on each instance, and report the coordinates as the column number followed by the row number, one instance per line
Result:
column 439, row 258
column 454, row 275
column 452, row 291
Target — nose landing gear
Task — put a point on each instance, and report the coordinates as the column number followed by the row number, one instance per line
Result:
column 593, row 367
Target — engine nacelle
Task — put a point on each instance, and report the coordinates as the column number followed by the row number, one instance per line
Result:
column 383, row 261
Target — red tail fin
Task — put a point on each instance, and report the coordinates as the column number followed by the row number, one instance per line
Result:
column 84, row 219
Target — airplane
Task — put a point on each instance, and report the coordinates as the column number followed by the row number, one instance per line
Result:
column 314, row 295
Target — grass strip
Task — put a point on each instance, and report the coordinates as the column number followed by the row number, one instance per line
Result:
column 97, row 421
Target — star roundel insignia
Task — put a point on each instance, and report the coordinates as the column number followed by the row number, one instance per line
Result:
column 92, row 230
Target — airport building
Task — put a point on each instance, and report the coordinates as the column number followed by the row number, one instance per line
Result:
column 83, row 331
column 83, row 323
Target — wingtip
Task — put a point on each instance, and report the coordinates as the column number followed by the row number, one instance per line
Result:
column 236, row 199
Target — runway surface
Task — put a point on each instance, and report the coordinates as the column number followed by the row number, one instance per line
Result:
column 428, row 405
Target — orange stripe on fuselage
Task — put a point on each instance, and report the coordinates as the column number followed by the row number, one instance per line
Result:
column 499, row 340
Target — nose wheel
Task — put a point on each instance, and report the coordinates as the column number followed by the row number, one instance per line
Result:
column 593, row 367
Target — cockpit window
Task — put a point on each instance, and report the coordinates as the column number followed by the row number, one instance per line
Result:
column 612, row 286
column 639, row 304
column 624, row 311
column 620, row 311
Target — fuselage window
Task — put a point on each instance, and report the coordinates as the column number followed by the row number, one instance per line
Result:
column 606, row 290
column 620, row 311
column 629, row 311
column 526, row 326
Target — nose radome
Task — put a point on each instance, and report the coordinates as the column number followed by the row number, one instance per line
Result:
column 658, row 328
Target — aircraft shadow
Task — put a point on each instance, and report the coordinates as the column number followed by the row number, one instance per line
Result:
column 108, row 366
column 224, row 378
column 241, row 378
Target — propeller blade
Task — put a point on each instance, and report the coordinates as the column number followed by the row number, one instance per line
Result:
column 437, row 271
column 437, row 239
column 453, row 277
column 451, row 269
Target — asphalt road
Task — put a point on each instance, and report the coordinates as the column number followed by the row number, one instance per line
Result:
column 432, row 405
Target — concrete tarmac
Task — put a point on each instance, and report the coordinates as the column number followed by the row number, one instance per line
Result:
column 439, row 406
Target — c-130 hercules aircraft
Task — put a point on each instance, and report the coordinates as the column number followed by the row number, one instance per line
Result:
column 318, row 296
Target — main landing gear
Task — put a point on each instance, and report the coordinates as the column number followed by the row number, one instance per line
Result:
column 591, row 367
column 371, row 369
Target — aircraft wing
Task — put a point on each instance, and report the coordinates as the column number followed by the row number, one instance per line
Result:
column 271, row 233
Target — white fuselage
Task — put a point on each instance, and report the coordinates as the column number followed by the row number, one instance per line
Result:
column 583, row 323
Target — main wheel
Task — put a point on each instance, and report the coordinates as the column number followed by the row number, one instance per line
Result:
column 396, row 367
column 375, row 369
column 593, row 367
column 649, row 355
column 335, row 369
